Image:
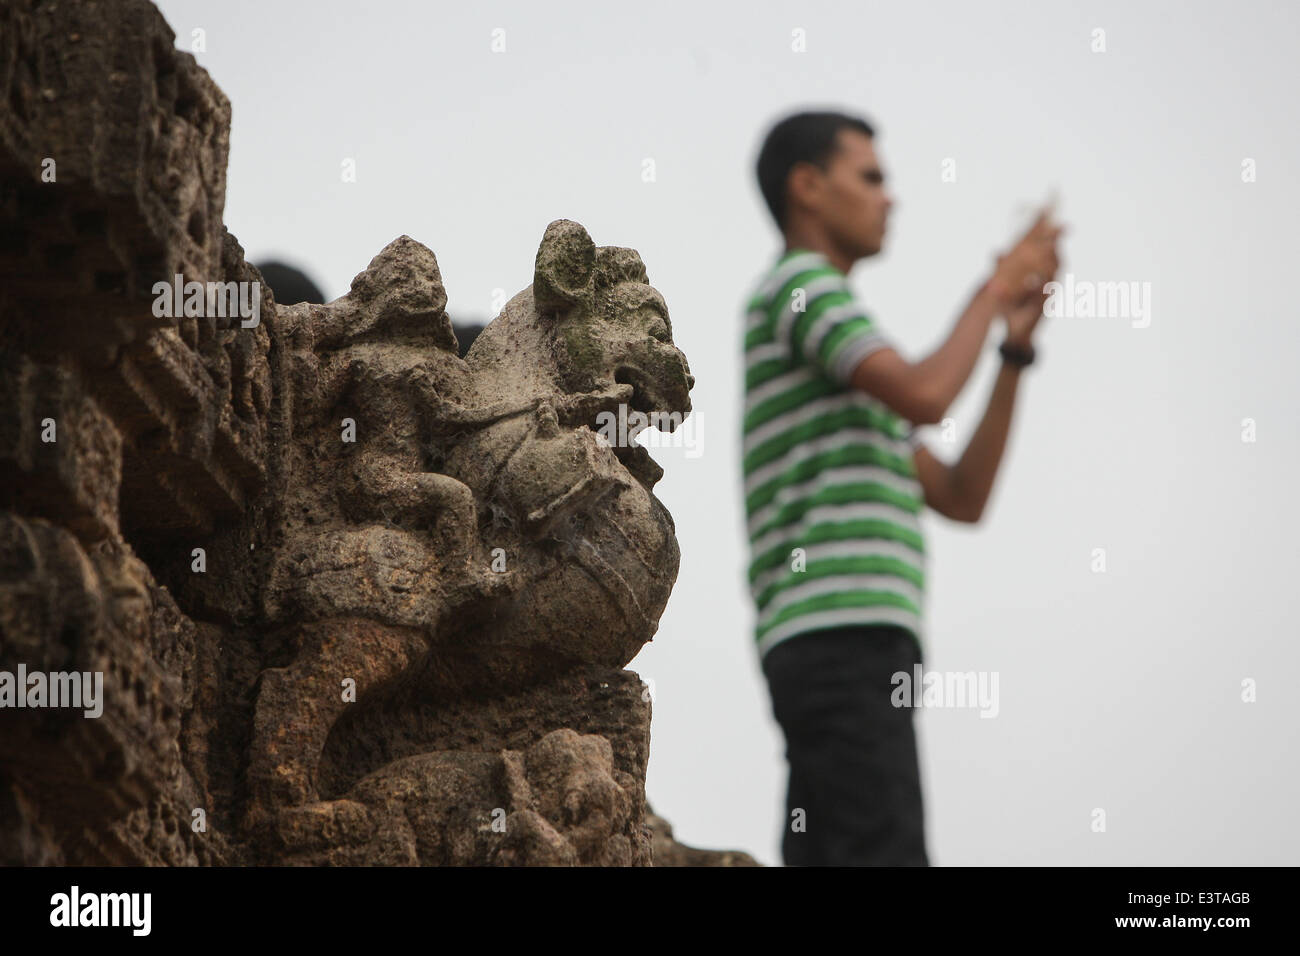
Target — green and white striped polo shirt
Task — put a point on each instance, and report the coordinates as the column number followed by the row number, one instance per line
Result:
column 832, row 499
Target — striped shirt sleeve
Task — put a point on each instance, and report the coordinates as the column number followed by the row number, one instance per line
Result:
column 819, row 321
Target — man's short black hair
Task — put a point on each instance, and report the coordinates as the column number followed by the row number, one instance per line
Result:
column 289, row 284
column 801, row 138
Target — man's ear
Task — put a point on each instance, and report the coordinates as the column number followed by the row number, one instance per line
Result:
column 803, row 185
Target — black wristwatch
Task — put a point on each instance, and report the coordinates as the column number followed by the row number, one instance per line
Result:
column 1017, row 355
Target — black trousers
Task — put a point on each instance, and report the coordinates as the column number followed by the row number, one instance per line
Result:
column 854, row 770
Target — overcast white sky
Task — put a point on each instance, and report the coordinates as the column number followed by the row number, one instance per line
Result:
column 1119, row 690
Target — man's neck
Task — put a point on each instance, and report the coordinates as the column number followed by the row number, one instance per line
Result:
column 803, row 239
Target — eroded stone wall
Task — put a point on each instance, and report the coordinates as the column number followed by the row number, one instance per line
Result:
column 352, row 598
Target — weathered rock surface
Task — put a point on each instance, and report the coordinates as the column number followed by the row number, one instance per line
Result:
column 355, row 599
column 668, row 852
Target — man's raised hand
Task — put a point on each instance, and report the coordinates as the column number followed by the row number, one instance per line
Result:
column 1029, row 264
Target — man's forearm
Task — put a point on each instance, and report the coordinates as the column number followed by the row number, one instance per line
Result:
column 944, row 373
column 973, row 474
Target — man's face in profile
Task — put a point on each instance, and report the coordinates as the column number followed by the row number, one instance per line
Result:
column 853, row 202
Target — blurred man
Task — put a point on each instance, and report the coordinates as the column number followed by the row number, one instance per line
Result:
column 835, row 479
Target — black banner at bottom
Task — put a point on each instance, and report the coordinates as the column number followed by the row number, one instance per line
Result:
column 239, row 906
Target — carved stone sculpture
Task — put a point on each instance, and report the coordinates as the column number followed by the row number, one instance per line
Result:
column 352, row 598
